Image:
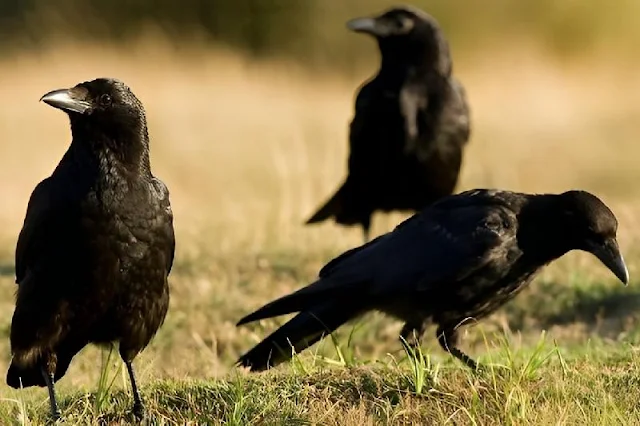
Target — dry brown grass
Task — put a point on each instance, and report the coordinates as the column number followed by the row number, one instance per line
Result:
column 248, row 150
column 243, row 144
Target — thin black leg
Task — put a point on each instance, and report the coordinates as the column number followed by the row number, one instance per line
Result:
column 366, row 228
column 366, row 235
column 49, row 379
column 448, row 339
column 412, row 333
column 138, row 407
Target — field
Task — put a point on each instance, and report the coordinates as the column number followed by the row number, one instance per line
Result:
column 248, row 150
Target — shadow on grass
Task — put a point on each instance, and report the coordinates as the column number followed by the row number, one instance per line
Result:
column 591, row 309
column 553, row 304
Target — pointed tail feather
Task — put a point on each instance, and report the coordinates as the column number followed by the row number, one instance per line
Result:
column 307, row 298
column 301, row 332
column 328, row 209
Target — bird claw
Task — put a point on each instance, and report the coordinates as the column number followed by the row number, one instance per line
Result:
column 56, row 414
column 139, row 411
column 466, row 359
column 475, row 367
column 55, row 418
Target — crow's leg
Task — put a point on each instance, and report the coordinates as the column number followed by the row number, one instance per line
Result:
column 365, row 222
column 127, row 356
column 448, row 339
column 412, row 333
column 48, row 375
column 365, row 235
column 138, row 407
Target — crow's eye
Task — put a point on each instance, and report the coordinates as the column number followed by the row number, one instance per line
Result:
column 403, row 24
column 105, row 100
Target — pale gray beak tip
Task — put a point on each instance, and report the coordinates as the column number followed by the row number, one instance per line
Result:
column 625, row 276
column 362, row 25
column 619, row 267
column 63, row 99
column 609, row 254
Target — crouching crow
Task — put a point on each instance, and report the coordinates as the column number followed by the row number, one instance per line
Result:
column 462, row 257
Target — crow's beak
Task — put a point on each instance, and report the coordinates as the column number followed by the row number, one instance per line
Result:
column 609, row 254
column 70, row 100
column 364, row 25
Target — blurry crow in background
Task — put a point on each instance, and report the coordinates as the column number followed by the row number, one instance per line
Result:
column 462, row 257
column 410, row 126
column 97, row 243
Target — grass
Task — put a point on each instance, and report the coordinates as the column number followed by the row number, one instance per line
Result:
column 248, row 150
column 530, row 388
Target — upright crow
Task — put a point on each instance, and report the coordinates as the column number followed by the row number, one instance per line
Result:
column 462, row 257
column 97, row 243
column 410, row 126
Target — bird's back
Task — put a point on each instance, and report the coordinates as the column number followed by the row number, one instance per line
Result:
column 480, row 227
column 393, row 168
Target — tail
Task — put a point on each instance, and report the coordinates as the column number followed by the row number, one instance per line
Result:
column 24, row 377
column 333, row 207
column 302, row 331
column 19, row 377
column 309, row 298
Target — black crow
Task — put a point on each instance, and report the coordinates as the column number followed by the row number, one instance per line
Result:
column 97, row 243
column 462, row 257
column 410, row 126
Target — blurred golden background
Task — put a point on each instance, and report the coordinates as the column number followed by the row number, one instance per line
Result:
column 248, row 103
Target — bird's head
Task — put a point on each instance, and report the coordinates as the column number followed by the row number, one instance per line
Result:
column 105, row 113
column 105, row 104
column 407, row 33
column 589, row 225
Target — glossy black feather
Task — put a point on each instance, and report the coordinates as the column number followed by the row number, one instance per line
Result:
column 410, row 126
column 462, row 257
column 97, row 244
column 302, row 331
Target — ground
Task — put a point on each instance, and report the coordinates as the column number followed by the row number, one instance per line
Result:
column 248, row 150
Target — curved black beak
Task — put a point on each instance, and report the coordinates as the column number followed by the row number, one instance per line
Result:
column 70, row 100
column 609, row 254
